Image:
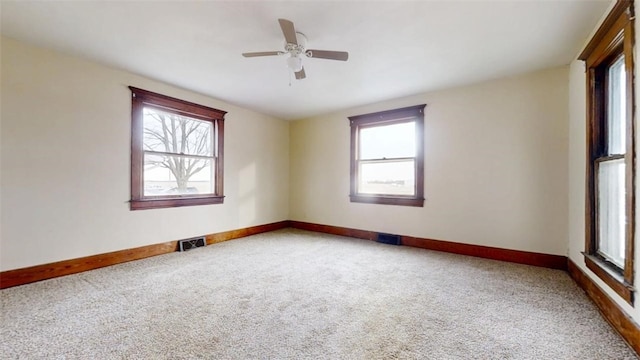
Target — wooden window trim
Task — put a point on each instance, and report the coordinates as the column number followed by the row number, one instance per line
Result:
column 141, row 98
column 614, row 38
column 611, row 277
column 412, row 113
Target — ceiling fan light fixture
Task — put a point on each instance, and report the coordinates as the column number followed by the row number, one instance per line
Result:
column 296, row 46
column 294, row 63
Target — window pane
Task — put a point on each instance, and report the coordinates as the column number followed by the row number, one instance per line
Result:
column 616, row 107
column 388, row 141
column 177, row 175
column 611, row 210
column 167, row 132
column 387, row 177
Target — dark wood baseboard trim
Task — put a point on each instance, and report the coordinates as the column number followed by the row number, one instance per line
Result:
column 334, row 230
column 235, row 234
column 611, row 311
column 28, row 275
column 31, row 274
column 515, row 256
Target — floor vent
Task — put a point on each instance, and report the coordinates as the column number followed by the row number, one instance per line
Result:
column 189, row 244
column 388, row 239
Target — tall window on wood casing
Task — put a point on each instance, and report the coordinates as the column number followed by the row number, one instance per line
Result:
column 176, row 152
column 611, row 151
column 387, row 157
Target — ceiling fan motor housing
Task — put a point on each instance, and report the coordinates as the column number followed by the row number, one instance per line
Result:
column 296, row 50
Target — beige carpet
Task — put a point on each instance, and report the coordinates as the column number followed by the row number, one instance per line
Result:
column 292, row 294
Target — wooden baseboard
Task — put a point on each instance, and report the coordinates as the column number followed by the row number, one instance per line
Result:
column 31, row 274
column 334, row 230
column 235, row 234
column 611, row 311
column 516, row 256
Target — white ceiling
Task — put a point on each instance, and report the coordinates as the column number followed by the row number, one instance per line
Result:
column 396, row 48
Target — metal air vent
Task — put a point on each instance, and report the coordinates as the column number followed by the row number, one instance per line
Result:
column 388, row 239
column 189, row 244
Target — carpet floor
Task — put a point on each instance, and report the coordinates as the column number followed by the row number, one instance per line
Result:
column 292, row 294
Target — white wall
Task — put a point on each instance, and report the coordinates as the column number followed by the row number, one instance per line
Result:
column 577, row 171
column 495, row 166
column 65, row 147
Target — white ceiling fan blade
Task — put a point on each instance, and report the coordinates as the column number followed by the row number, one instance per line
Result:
column 300, row 74
column 326, row 54
column 288, row 31
column 262, row 53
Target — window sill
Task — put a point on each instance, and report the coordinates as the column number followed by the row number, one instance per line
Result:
column 610, row 277
column 143, row 204
column 388, row 200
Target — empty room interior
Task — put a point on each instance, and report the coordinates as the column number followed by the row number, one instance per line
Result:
column 319, row 179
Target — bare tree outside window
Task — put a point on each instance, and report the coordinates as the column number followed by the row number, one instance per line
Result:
column 180, row 145
column 177, row 152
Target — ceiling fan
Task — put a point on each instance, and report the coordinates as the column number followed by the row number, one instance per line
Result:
column 296, row 46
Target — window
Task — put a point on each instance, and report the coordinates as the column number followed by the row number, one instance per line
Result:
column 387, row 157
column 611, row 151
column 176, row 152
